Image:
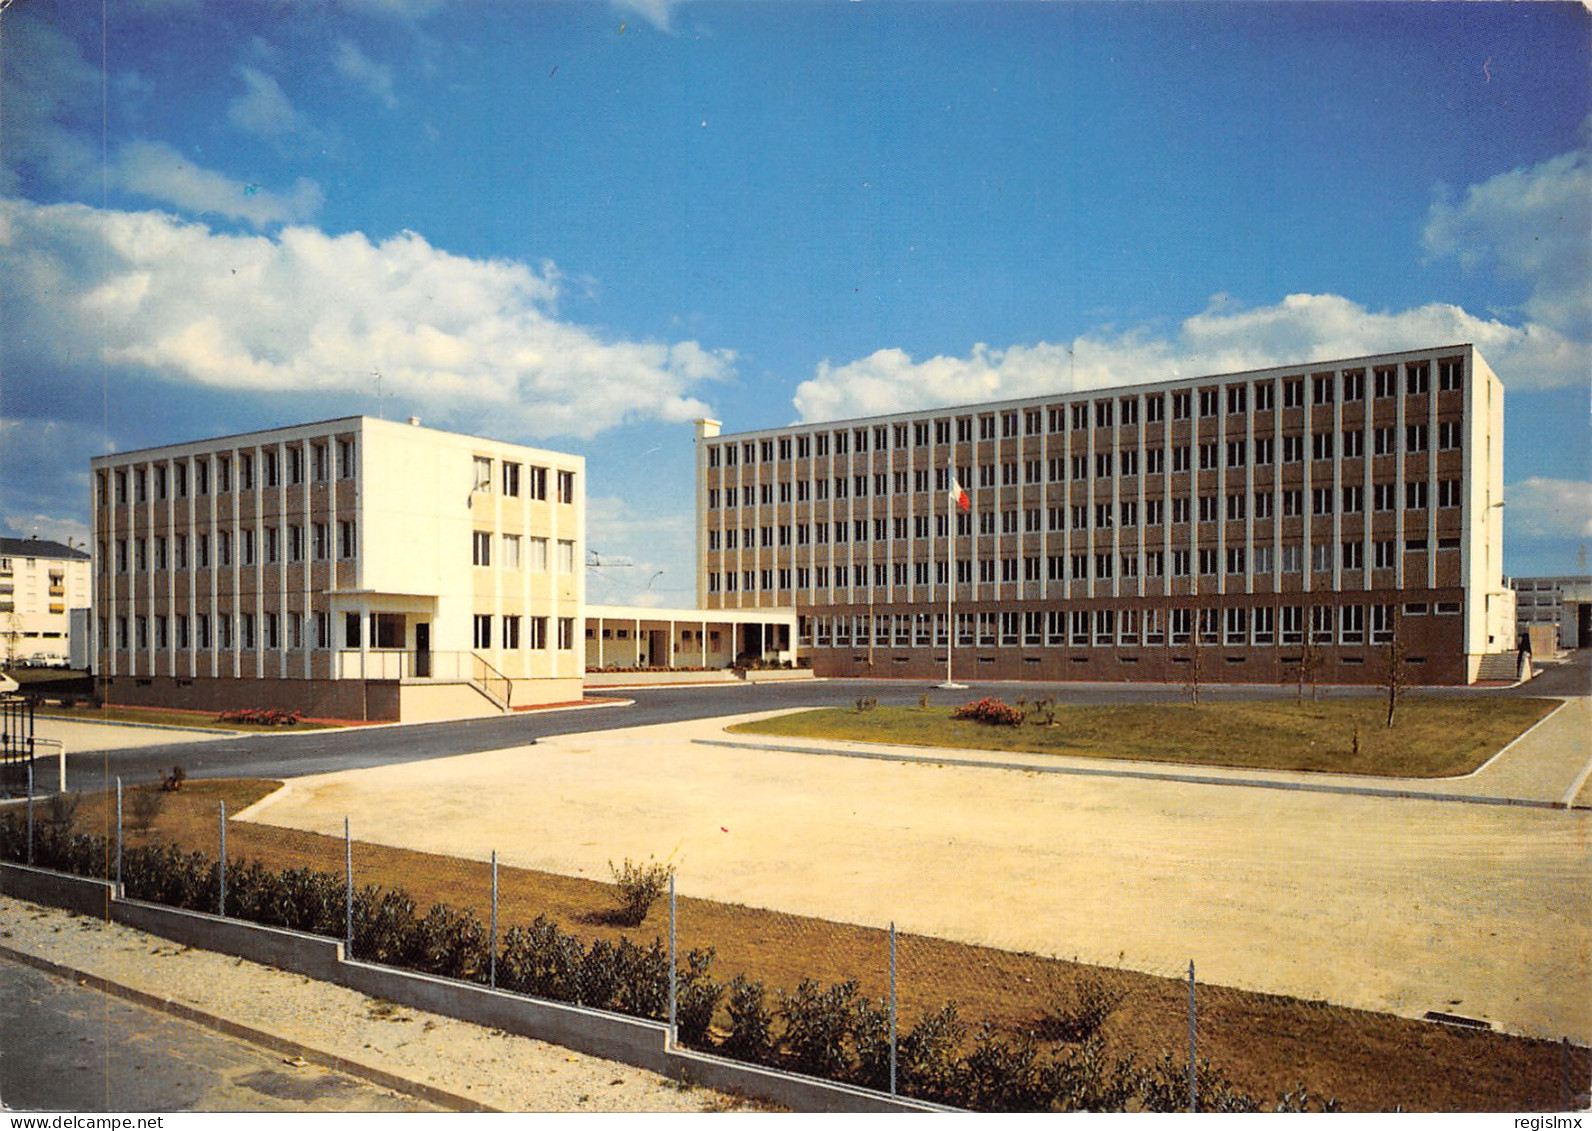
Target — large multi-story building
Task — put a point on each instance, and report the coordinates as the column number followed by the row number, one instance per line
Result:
column 1248, row 522
column 1563, row 604
column 353, row 568
column 41, row 582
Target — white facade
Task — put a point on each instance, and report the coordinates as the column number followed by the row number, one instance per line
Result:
column 354, row 568
column 41, row 582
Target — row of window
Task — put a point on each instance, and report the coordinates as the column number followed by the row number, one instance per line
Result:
column 510, row 555
column 1325, row 389
column 1236, row 507
column 511, row 475
column 511, row 639
column 272, row 545
column 1325, row 557
column 1235, row 626
column 172, row 479
column 1105, row 465
column 274, row 631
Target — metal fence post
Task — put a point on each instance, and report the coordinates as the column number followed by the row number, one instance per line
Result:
column 348, row 894
column 674, row 981
column 221, row 865
column 30, row 814
column 491, row 954
column 118, row 835
column 892, row 1008
column 1193, row 1094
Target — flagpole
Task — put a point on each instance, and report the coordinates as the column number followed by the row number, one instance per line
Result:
column 951, row 486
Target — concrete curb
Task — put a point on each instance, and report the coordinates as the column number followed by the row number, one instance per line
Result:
column 1141, row 775
column 260, row 1037
column 635, row 1041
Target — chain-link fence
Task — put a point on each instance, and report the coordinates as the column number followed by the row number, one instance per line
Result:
column 892, row 1010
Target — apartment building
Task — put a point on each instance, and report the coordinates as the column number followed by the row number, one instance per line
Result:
column 353, row 568
column 1249, row 523
column 41, row 582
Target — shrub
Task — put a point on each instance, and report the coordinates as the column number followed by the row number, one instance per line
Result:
column 449, row 943
column 1044, row 711
column 1008, row 1077
column 1076, row 1014
column 261, row 716
column 173, row 782
column 1087, row 1079
column 643, row 979
column 927, row 1061
column 541, row 960
column 750, row 1036
column 639, row 887
column 697, row 995
column 145, row 805
column 867, row 703
column 990, row 711
column 818, row 1024
column 870, row 1034
column 1164, row 1087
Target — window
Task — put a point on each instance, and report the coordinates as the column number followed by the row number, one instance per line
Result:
column 1180, row 563
column 245, row 471
column 1321, row 500
column 1384, row 554
column 320, row 462
column 1263, row 559
column 1154, row 409
column 481, row 548
column 483, row 630
column 273, row 476
column 1235, row 559
column 1293, row 393
column 1236, row 396
column 1209, row 401
column 1321, row 445
column 246, row 547
column 1208, row 562
column 1293, row 503
column 1208, row 456
column 1235, row 453
column 1266, row 396
column 1321, row 557
column 1293, row 449
column 1351, row 555
column 1353, row 500
column 1155, row 461
column 273, row 630
column 1417, row 377
column 1415, row 495
column 1236, row 507
column 1181, row 403
column 1450, row 435
column 566, row 632
column 511, row 479
column 1354, row 385
column 1448, row 493
column 347, row 544
column 246, row 632
column 345, row 459
column 1209, row 508
column 511, row 551
column 1353, row 444
column 1293, row 624
column 1292, row 559
column 295, row 465
column 1415, row 437
column 566, row 556
column 1322, row 389
column 1180, row 507
column 566, row 486
column 321, row 541
column 511, row 632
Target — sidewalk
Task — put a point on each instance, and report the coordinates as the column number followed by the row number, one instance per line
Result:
column 441, row 1060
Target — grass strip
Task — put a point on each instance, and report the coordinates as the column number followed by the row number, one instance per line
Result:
column 1434, row 736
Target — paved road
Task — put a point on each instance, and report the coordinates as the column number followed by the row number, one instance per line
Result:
column 66, row 1047
column 316, row 752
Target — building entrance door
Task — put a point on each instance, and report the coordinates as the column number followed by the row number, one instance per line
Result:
column 423, row 651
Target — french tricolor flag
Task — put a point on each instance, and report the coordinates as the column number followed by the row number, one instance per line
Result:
column 959, row 497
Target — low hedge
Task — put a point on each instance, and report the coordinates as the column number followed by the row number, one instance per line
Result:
column 833, row 1032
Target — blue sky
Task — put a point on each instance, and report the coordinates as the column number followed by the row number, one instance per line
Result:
column 581, row 225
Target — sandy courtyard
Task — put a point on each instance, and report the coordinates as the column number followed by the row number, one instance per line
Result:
column 1385, row 904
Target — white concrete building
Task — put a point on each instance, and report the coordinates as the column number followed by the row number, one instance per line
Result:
column 353, row 568
column 1562, row 603
column 41, row 582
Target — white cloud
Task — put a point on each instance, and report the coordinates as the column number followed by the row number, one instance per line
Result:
column 1220, row 339
column 262, row 108
column 1548, row 508
column 658, row 13
column 68, row 531
column 372, row 77
column 1532, row 225
column 46, row 78
column 160, row 172
column 467, row 343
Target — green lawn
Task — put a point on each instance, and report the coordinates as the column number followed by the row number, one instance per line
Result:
column 1434, row 736
column 157, row 717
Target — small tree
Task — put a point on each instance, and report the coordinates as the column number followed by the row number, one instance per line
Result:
column 639, row 886
column 1396, row 677
column 146, row 804
column 1193, row 675
column 1310, row 657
